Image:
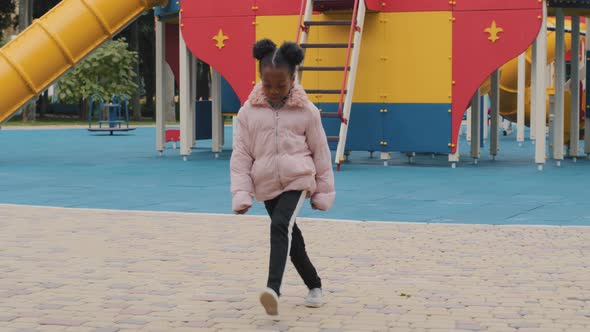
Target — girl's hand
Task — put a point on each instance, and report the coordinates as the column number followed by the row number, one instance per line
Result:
column 243, row 211
column 313, row 206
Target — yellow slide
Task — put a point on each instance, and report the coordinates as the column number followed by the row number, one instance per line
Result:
column 509, row 75
column 56, row 42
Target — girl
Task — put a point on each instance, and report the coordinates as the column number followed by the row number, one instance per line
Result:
column 281, row 157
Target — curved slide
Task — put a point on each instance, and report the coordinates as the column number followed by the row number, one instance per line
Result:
column 508, row 82
column 56, row 42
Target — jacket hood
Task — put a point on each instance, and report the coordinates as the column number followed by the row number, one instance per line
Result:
column 297, row 97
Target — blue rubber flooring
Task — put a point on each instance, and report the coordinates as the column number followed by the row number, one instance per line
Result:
column 74, row 168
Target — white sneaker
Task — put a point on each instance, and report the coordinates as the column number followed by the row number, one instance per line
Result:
column 270, row 301
column 314, row 298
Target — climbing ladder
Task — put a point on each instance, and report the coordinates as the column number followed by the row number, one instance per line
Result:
column 349, row 69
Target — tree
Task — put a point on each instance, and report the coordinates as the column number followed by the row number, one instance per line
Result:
column 7, row 8
column 142, row 40
column 109, row 70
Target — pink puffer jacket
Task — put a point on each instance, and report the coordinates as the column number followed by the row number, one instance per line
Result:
column 278, row 151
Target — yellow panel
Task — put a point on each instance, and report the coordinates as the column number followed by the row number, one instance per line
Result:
column 370, row 76
column 404, row 57
column 418, row 47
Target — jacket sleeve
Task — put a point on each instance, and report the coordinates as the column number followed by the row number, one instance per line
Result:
column 325, row 193
column 240, row 165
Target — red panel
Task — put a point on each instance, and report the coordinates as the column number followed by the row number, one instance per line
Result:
column 463, row 5
column 278, row 7
column 475, row 57
column 234, row 61
column 409, row 5
column 172, row 51
column 215, row 8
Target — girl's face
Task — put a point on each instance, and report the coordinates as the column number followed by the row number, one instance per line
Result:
column 276, row 83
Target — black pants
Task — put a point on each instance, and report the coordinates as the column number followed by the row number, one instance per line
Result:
column 285, row 237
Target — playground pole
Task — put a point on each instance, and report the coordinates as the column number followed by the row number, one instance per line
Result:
column 557, row 133
column 574, row 146
column 520, row 99
column 160, row 74
column 193, row 99
column 533, row 103
column 587, row 101
column 495, row 113
column 475, row 126
column 540, row 110
column 216, row 118
column 184, row 98
column 468, row 121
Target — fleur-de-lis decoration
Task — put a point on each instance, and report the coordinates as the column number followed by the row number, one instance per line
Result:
column 494, row 30
column 220, row 38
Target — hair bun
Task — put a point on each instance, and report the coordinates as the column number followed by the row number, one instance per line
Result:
column 292, row 53
column 263, row 47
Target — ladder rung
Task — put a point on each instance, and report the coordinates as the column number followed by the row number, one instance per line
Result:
column 333, row 4
column 342, row 45
column 334, row 22
column 333, row 138
column 311, row 68
column 321, row 91
column 329, row 115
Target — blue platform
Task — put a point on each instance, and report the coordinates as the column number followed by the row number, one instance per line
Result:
column 73, row 168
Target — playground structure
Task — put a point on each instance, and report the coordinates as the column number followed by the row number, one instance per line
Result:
column 406, row 87
column 389, row 76
column 114, row 115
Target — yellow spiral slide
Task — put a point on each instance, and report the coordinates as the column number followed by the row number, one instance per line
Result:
column 56, row 42
column 508, row 81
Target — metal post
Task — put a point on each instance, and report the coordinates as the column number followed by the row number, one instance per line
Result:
column 160, row 94
column 475, row 128
column 216, row 116
column 193, row 93
column 185, row 98
column 468, row 122
column 495, row 113
column 520, row 99
column 454, row 157
column 485, row 125
column 559, row 99
column 25, row 14
column 574, row 146
column 540, row 61
column 533, row 103
column 587, row 110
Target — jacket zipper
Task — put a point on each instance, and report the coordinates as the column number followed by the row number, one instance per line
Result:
column 277, row 147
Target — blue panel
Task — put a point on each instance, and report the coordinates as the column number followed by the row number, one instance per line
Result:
column 405, row 127
column 230, row 101
column 365, row 132
column 171, row 9
column 418, row 127
column 203, row 119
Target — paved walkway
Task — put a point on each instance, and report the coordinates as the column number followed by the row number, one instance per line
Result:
column 100, row 270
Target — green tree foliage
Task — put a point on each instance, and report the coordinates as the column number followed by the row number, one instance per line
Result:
column 7, row 8
column 107, row 71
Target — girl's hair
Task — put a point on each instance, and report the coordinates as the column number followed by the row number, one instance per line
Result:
column 289, row 55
